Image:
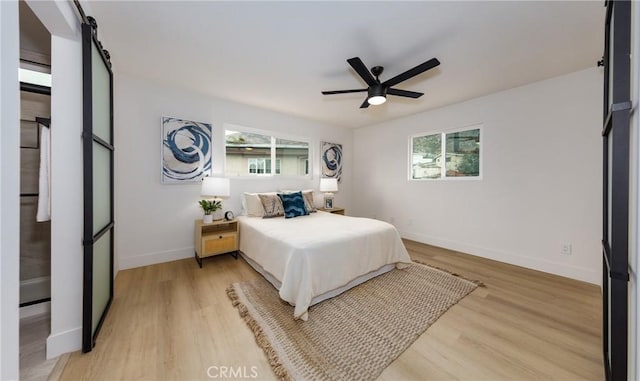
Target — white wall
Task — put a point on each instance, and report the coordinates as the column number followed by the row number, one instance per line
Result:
column 154, row 222
column 66, row 175
column 9, row 190
column 66, row 197
column 541, row 177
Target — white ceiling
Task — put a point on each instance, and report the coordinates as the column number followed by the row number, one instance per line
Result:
column 281, row 55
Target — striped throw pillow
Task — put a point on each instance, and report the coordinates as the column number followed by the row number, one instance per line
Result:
column 293, row 204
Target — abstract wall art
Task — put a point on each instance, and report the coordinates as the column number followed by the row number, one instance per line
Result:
column 186, row 150
column 331, row 160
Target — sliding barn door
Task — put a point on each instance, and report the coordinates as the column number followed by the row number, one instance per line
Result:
column 615, row 232
column 97, row 139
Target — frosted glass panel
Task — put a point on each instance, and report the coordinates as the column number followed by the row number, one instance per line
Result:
column 609, row 315
column 609, row 212
column 101, row 278
column 101, row 187
column 101, row 96
column 98, row 187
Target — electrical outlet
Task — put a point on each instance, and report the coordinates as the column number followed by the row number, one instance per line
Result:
column 565, row 249
column 392, row 220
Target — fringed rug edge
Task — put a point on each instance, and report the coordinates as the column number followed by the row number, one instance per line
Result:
column 261, row 338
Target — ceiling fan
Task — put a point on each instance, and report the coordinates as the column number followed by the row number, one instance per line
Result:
column 378, row 91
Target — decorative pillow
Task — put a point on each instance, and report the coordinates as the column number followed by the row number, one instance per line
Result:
column 308, row 199
column 293, row 204
column 271, row 204
column 252, row 205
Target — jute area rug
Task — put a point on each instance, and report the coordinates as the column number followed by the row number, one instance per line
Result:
column 354, row 335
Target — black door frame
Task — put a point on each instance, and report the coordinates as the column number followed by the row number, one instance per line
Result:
column 615, row 191
column 89, row 39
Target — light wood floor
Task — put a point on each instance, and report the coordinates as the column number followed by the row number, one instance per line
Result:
column 34, row 365
column 173, row 321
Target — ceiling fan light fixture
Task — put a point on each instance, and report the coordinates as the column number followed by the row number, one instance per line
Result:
column 377, row 95
column 377, row 91
column 377, row 100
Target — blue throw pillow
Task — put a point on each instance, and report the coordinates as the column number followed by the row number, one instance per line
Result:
column 293, row 204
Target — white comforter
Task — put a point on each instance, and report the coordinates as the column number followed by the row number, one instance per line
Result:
column 314, row 254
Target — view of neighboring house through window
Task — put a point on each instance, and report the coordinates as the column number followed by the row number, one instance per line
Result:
column 293, row 155
column 426, row 156
column 461, row 153
column 262, row 166
column 253, row 154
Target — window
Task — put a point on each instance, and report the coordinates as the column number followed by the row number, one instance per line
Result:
column 254, row 154
column 292, row 153
column 461, row 153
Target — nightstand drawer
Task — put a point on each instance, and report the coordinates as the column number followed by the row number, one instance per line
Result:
column 218, row 243
column 217, row 237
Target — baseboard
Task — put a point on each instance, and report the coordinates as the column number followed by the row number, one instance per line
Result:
column 569, row 271
column 35, row 309
column 64, row 342
column 154, row 258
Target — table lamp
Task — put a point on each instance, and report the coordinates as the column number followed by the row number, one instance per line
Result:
column 328, row 186
column 216, row 188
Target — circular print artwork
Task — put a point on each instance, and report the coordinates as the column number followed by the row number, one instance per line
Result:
column 186, row 150
column 331, row 160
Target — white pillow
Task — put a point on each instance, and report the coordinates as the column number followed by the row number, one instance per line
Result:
column 253, row 205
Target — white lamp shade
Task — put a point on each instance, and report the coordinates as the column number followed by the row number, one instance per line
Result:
column 215, row 187
column 329, row 185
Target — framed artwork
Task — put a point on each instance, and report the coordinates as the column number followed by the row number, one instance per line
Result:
column 186, row 150
column 331, row 160
column 328, row 203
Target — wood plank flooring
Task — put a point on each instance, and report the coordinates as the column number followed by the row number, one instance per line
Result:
column 173, row 321
column 34, row 365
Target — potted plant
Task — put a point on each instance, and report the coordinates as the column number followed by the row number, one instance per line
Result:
column 209, row 207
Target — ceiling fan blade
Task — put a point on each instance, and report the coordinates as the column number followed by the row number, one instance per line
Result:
column 412, row 72
column 365, row 104
column 404, row 93
column 343, row 91
column 357, row 65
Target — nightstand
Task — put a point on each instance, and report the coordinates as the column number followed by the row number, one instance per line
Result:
column 218, row 237
column 333, row 210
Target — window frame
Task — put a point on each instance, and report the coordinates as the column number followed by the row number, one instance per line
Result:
column 443, row 154
column 274, row 135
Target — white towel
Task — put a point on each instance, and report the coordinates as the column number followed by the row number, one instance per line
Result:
column 44, row 200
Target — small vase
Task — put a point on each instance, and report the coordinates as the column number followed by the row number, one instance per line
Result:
column 207, row 218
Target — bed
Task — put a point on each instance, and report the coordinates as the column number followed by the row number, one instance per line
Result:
column 315, row 257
